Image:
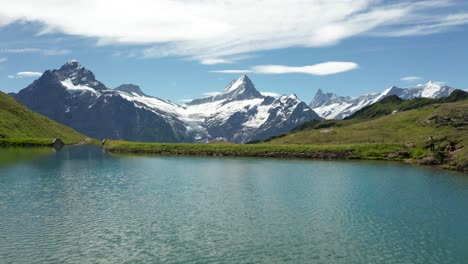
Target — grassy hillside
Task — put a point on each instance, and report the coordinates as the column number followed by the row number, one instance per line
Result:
column 410, row 129
column 21, row 126
column 393, row 103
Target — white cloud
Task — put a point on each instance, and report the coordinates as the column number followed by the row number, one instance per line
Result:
column 2, row 60
column 325, row 68
column 233, row 71
column 276, row 95
column 46, row 52
column 440, row 24
column 411, row 78
column 211, row 93
column 26, row 74
column 204, row 30
column 214, row 61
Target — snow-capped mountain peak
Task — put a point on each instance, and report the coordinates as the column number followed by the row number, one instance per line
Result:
column 71, row 95
column 331, row 106
column 239, row 83
column 241, row 89
column 73, row 72
column 237, row 90
column 321, row 98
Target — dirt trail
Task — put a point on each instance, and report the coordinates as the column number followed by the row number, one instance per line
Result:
column 85, row 141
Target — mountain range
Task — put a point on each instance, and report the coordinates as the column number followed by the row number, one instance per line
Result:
column 332, row 106
column 72, row 96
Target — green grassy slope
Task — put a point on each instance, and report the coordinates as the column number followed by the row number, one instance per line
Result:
column 21, row 126
column 410, row 129
column 393, row 103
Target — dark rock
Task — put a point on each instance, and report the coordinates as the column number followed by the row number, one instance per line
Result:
column 57, row 143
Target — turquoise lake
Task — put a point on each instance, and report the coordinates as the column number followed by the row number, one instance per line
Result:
column 82, row 205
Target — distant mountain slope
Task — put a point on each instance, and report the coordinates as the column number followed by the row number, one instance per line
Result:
column 400, row 135
column 17, row 121
column 393, row 104
column 332, row 106
column 443, row 121
column 71, row 95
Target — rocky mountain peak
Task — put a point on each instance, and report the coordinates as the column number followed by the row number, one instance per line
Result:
column 322, row 98
column 131, row 89
column 331, row 106
column 237, row 90
column 241, row 89
column 71, row 66
column 78, row 75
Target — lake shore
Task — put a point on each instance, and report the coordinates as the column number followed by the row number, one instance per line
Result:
column 391, row 152
column 41, row 142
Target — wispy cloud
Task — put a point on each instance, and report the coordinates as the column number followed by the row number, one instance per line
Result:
column 233, row 71
column 215, row 61
column 440, row 24
column 276, row 95
column 232, row 27
column 325, row 68
column 26, row 74
column 2, row 60
column 45, row 52
column 411, row 78
column 211, row 93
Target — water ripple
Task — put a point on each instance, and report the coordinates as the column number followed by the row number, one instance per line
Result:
column 83, row 206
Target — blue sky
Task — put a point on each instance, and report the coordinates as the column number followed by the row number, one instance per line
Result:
column 184, row 49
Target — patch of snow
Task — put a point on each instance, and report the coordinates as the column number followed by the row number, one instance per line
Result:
column 234, row 85
column 259, row 118
column 430, row 90
column 72, row 88
column 332, row 111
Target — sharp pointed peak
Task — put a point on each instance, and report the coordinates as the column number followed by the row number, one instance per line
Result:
column 320, row 91
column 244, row 78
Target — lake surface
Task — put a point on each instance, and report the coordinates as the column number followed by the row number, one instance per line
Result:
column 81, row 205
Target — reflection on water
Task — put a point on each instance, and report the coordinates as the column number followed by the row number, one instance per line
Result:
column 15, row 154
column 81, row 205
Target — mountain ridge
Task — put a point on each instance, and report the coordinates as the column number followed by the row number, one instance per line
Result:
column 72, row 95
column 332, row 106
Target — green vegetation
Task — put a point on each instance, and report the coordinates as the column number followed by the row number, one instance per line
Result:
column 329, row 151
column 11, row 155
column 409, row 129
column 393, row 104
column 399, row 136
column 20, row 126
column 25, row 142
